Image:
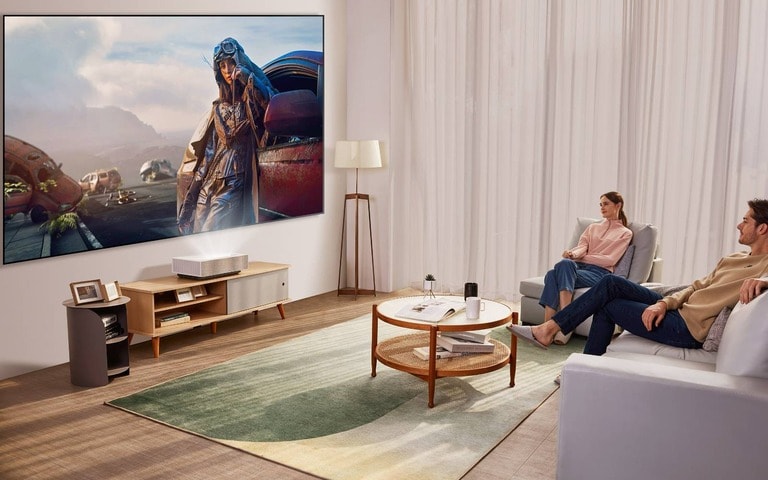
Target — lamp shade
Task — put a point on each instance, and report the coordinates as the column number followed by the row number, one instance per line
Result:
column 357, row 154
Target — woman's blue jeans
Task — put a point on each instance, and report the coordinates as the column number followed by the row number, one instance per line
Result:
column 618, row 301
column 568, row 275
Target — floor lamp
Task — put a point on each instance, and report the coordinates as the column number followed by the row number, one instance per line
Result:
column 357, row 155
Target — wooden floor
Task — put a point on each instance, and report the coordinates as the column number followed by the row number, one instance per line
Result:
column 51, row 429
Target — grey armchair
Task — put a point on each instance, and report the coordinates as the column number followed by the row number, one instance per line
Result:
column 646, row 266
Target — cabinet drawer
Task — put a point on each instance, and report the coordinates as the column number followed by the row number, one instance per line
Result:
column 249, row 293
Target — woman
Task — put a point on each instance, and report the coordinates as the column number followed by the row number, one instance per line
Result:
column 222, row 193
column 599, row 249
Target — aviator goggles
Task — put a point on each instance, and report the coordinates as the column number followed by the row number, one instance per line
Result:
column 226, row 48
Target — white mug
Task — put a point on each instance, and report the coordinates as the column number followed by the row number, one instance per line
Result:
column 474, row 307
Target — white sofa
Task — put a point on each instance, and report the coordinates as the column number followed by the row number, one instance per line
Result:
column 643, row 264
column 648, row 411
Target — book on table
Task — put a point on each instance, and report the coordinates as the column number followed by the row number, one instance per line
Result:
column 440, row 352
column 172, row 319
column 458, row 345
column 431, row 310
column 479, row 336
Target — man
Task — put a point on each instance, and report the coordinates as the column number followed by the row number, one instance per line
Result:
column 680, row 320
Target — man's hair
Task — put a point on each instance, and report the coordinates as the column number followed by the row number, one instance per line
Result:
column 760, row 210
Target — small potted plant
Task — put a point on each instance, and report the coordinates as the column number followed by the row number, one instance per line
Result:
column 429, row 285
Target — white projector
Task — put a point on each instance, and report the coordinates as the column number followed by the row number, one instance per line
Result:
column 203, row 266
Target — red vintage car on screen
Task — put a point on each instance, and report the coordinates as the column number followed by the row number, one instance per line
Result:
column 34, row 184
column 290, row 169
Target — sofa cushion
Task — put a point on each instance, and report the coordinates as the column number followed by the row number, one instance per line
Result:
column 629, row 343
column 744, row 346
column 663, row 361
column 712, row 343
column 664, row 289
column 645, row 239
column 532, row 287
column 622, row 268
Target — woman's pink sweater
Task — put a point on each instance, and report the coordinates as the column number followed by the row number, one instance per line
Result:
column 603, row 244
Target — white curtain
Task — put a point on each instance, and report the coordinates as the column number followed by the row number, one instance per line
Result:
column 513, row 117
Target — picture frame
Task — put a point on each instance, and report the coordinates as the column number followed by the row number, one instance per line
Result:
column 184, row 295
column 110, row 291
column 86, row 291
column 199, row 291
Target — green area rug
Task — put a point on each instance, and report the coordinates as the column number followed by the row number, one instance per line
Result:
column 311, row 404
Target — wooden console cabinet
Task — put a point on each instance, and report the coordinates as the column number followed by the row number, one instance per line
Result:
column 262, row 285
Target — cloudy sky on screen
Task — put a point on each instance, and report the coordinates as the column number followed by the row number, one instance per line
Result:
column 154, row 66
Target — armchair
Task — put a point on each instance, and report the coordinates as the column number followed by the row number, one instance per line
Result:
column 646, row 266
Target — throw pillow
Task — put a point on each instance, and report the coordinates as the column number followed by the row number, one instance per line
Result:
column 622, row 268
column 744, row 346
column 665, row 290
column 645, row 239
column 712, row 343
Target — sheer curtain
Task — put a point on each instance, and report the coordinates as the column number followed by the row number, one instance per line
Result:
column 513, row 117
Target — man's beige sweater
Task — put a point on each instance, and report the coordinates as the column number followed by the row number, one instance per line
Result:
column 701, row 302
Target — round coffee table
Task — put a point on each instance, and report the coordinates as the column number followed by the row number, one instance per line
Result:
column 398, row 353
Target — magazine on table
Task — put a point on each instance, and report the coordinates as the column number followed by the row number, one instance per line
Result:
column 431, row 309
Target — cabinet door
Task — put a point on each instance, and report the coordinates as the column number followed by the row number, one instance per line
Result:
column 249, row 293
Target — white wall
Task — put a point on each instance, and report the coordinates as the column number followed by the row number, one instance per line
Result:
column 34, row 332
column 368, row 118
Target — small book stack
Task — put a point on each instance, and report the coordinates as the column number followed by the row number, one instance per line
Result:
column 112, row 327
column 172, row 319
column 466, row 342
column 456, row 344
column 440, row 352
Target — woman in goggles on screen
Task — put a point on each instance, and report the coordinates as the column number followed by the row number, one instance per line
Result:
column 220, row 195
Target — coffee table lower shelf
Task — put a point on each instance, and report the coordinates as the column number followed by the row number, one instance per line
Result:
column 398, row 353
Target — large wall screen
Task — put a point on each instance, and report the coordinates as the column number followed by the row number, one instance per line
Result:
column 127, row 129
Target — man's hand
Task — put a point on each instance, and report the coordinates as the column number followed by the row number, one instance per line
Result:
column 654, row 314
column 751, row 288
column 567, row 254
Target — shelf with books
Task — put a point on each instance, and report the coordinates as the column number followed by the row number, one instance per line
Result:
column 98, row 341
column 168, row 302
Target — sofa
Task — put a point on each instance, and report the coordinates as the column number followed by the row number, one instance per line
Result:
column 649, row 411
column 641, row 263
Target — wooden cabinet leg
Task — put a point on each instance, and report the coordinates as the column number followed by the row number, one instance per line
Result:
column 213, row 327
column 281, row 309
column 156, row 346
